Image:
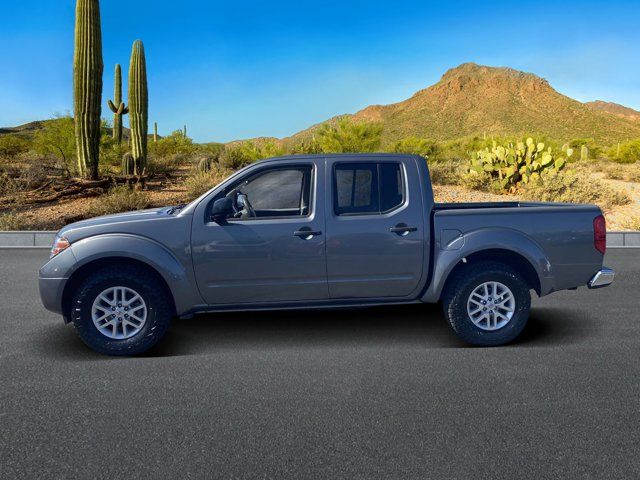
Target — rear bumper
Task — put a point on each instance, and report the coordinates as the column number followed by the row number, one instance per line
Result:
column 602, row 279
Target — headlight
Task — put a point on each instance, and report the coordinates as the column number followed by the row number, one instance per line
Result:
column 59, row 244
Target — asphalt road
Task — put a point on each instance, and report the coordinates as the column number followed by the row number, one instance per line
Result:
column 375, row 393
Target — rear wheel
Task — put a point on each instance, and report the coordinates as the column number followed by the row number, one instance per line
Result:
column 487, row 303
column 121, row 310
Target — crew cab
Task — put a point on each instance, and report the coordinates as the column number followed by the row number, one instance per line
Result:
column 317, row 231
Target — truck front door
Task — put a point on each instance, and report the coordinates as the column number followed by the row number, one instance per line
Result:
column 274, row 250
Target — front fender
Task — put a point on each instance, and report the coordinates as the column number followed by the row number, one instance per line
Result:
column 447, row 256
column 177, row 274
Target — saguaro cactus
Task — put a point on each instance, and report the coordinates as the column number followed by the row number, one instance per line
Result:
column 184, row 131
column 128, row 164
column 584, row 153
column 138, row 106
column 117, row 106
column 87, row 86
column 155, row 132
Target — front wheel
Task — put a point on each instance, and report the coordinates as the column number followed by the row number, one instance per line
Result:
column 487, row 303
column 121, row 310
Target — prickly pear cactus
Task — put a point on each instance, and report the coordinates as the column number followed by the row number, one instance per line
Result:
column 509, row 166
column 128, row 164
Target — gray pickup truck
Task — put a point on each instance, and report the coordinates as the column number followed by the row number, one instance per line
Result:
column 320, row 232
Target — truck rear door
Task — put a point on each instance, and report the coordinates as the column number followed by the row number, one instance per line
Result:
column 374, row 224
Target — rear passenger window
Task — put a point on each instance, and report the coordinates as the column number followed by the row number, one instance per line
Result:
column 366, row 188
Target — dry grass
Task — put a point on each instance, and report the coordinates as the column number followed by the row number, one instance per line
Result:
column 201, row 182
column 121, row 199
column 12, row 221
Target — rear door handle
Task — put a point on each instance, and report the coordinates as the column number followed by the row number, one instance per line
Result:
column 306, row 233
column 402, row 229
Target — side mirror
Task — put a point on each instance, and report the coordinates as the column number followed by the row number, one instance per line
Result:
column 222, row 208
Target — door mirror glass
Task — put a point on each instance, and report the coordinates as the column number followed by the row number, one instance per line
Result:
column 222, row 208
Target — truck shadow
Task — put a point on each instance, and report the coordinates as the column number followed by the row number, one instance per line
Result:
column 389, row 327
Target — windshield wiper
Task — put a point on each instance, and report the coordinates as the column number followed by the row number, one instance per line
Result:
column 173, row 210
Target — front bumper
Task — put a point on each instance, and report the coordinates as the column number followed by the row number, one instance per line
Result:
column 51, row 290
column 603, row 278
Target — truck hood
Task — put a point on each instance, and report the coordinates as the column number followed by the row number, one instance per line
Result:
column 118, row 223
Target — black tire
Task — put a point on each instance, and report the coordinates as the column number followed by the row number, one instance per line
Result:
column 460, row 287
column 147, row 285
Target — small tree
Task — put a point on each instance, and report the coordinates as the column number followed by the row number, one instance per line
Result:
column 57, row 138
column 416, row 146
column 350, row 136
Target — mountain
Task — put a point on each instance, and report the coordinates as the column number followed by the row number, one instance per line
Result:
column 472, row 100
column 615, row 109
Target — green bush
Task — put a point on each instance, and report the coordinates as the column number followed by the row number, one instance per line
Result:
column 173, row 144
column 122, row 198
column 13, row 145
column 626, row 152
column 592, row 148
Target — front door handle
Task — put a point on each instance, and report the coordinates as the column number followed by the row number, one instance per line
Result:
column 403, row 229
column 306, row 233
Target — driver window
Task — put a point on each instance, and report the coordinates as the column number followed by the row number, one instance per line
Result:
column 278, row 192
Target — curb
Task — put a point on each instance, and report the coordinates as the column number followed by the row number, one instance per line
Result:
column 25, row 239
column 28, row 239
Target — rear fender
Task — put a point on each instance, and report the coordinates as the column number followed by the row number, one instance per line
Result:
column 447, row 256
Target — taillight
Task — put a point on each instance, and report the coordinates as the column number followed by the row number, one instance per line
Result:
column 600, row 234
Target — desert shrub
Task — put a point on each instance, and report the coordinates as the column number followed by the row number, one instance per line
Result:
column 11, row 146
column 12, row 221
column 508, row 167
column 447, row 172
column 122, row 198
column 34, row 174
column 628, row 152
column 201, row 182
column 167, row 165
column 573, row 188
column 111, row 152
column 7, row 184
column 415, row 146
column 625, row 172
column 350, row 136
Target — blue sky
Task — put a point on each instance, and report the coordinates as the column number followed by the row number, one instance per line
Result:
column 241, row 69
